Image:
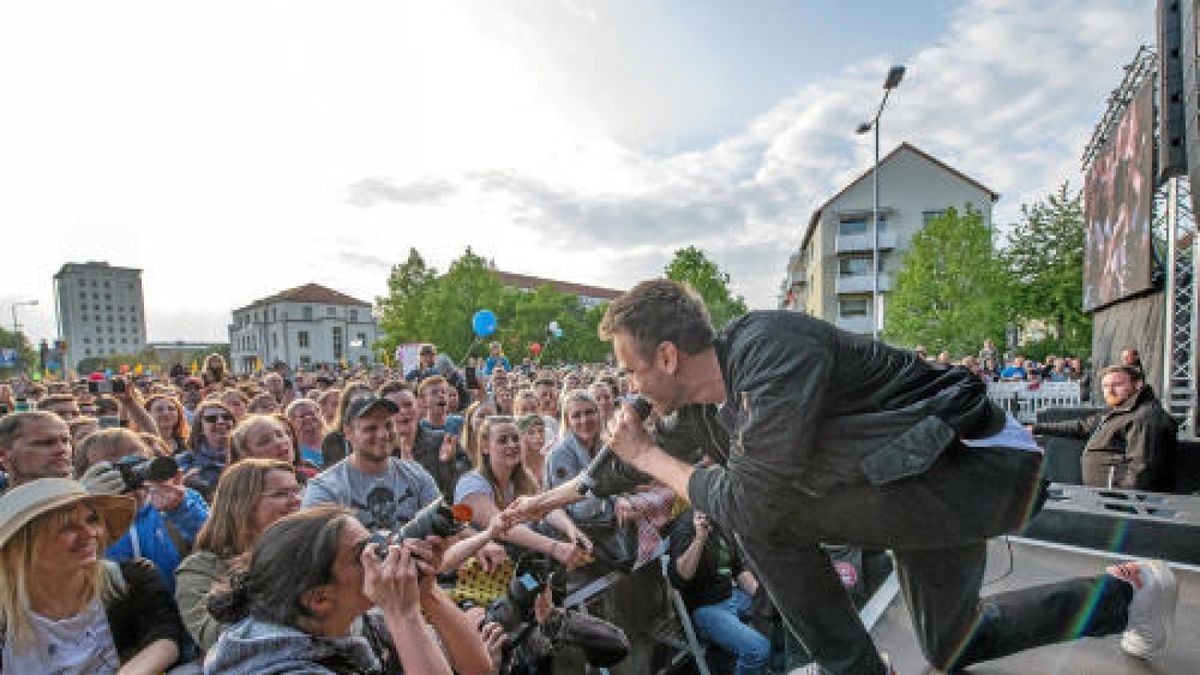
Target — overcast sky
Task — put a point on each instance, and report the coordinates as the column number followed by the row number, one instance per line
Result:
column 235, row 149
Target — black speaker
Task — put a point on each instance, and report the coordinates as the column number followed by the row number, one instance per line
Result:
column 1133, row 522
column 1172, row 151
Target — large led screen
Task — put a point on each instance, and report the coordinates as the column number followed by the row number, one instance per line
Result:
column 1118, row 196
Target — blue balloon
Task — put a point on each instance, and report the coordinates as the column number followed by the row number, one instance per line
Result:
column 558, row 332
column 108, row 373
column 484, row 323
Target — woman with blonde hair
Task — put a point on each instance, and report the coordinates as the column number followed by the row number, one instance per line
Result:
column 252, row 494
column 499, row 478
column 62, row 608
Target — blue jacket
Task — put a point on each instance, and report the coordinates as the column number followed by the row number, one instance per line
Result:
column 149, row 537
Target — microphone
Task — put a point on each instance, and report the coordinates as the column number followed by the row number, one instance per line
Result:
column 587, row 479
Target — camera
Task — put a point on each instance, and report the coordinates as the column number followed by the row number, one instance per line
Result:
column 136, row 470
column 437, row 518
column 602, row 643
column 106, row 386
column 532, row 575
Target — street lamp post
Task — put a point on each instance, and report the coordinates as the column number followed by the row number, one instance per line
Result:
column 17, row 327
column 895, row 74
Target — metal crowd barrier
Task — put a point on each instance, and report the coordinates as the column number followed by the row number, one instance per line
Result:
column 1025, row 399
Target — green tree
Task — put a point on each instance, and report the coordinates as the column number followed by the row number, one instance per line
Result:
column 692, row 266
column 423, row 306
column 953, row 289
column 403, row 314
column 1044, row 253
column 27, row 355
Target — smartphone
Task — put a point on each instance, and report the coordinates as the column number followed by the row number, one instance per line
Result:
column 472, row 378
column 110, row 422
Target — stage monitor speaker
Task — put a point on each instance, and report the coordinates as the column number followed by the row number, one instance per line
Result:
column 1132, row 522
column 1172, row 151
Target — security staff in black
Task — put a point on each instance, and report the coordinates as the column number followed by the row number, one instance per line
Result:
column 822, row 436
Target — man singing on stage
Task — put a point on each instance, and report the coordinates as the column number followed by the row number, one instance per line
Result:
column 821, row 436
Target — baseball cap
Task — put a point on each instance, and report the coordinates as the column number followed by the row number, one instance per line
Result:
column 361, row 406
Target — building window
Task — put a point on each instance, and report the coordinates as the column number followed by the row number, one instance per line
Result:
column 87, row 340
column 95, row 296
column 859, row 225
column 306, row 313
column 929, row 216
column 87, row 351
column 852, row 267
column 274, row 340
column 305, row 361
column 107, row 284
column 362, row 340
column 852, row 307
column 353, row 314
column 337, row 342
column 330, row 311
column 273, row 314
column 302, row 338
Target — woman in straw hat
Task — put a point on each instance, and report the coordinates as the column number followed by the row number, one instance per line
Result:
column 63, row 609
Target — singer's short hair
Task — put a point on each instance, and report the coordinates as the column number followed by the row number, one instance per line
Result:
column 657, row 311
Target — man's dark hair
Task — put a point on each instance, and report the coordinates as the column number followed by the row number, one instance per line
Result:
column 1135, row 374
column 12, row 424
column 657, row 311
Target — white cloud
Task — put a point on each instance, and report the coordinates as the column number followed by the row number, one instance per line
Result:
column 1007, row 95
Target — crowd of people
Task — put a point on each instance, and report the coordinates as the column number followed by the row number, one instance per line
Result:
column 993, row 366
column 229, row 522
column 237, row 523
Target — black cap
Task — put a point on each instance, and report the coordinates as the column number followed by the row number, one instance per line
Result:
column 361, row 406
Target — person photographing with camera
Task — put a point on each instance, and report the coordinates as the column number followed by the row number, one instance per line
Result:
column 823, row 436
column 286, row 617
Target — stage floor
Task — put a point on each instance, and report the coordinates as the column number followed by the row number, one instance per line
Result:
column 1035, row 563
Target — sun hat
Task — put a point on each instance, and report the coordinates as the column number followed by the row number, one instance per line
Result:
column 22, row 504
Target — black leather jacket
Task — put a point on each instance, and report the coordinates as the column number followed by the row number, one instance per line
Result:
column 810, row 407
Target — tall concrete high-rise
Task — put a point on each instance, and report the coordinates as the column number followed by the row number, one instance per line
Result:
column 99, row 310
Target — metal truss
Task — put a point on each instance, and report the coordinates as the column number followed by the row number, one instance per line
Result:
column 1173, row 218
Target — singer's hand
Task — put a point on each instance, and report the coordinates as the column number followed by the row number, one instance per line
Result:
column 629, row 438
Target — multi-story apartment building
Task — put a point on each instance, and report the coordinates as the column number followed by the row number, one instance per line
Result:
column 99, row 310
column 302, row 327
column 830, row 275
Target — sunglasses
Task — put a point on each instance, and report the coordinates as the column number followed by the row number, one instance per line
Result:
column 219, row 417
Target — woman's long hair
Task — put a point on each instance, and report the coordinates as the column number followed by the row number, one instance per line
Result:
column 522, row 480
column 292, row 556
column 180, row 433
column 229, row 532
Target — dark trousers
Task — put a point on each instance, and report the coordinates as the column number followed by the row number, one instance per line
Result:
column 937, row 525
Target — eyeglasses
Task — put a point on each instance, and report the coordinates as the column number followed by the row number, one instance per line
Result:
column 218, row 417
column 580, row 414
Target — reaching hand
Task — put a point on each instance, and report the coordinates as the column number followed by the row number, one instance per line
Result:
column 525, row 509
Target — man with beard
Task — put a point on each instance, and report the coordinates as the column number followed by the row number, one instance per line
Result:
column 384, row 491
column 1131, row 444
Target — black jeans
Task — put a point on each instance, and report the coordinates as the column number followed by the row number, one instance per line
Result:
column 937, row 525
